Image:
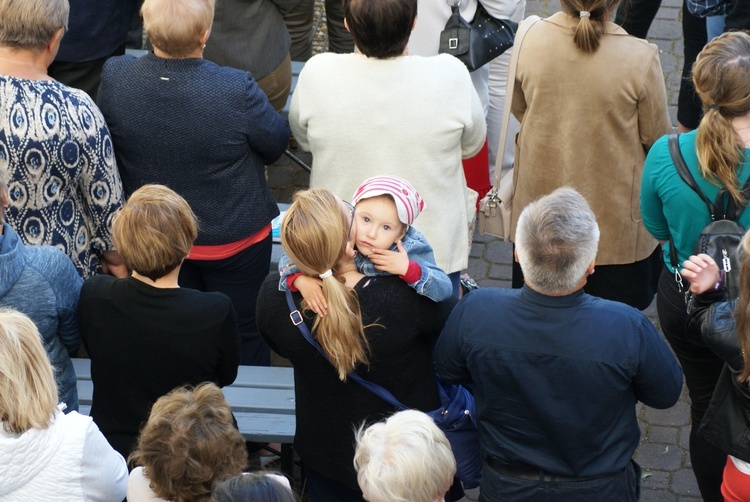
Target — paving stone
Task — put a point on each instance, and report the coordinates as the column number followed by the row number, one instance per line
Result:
column 650, row 495
column 499, row 252
column 684, row 483
column 678, row 414
column 476, row 251
column 659, row 457
column 655, row 480
column 662, row 435
column 501, row 272
column 492, row 283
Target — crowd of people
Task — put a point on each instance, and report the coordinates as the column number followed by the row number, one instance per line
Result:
column 136, row 231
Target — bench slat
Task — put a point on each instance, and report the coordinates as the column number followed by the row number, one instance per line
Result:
column 263, row 377
column 241, row 399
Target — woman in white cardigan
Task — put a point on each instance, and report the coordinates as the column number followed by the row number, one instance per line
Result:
column 381, row 111
column 45, row 454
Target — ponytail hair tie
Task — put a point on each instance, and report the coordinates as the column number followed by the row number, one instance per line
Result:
column 584, row 13
column 327, row 273
column 714, row 107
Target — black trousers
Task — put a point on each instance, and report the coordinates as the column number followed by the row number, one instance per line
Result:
column 702, row 368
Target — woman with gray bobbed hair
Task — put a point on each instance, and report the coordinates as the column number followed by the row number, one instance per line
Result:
column 205, row 131
column 556, row 241
column 63, row 187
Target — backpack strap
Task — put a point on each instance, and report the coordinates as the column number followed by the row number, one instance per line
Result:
column 679, row 163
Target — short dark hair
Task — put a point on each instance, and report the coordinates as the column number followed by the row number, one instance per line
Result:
column 380, row 28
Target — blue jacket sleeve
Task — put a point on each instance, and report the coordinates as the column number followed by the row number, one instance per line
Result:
column 267, row 131
column 286, row 268
column 67, row 285
column 658, row 378
column 434, row 283
column 450, row 363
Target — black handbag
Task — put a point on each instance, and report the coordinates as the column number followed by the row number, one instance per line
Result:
column 726, row 424
column 479, row 42
column 455, row 417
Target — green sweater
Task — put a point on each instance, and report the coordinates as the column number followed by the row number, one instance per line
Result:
column 669, row 206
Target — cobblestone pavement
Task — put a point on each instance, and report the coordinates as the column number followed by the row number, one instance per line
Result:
column 663, row 452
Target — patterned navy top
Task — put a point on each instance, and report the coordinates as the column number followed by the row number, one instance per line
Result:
column 62, row 178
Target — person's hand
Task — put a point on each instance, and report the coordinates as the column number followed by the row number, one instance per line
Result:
column 112, row 264
column 702, row 272
column 393, row 262
column 312, row 291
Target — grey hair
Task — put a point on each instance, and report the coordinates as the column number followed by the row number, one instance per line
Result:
column 31, row 24
column 556, row 240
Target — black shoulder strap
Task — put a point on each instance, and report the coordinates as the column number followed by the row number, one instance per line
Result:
column 734, row 210
column 679, row 163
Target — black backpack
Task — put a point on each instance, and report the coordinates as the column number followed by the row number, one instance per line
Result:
column 721, row 238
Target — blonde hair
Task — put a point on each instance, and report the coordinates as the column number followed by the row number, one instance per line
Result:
column 31, row 24
column 590, row 28
column 176, row 26
column 721, row 75
column 406, row 458
column 314, row 235
column 189, row 444
column 154, row 231
column 28, row 395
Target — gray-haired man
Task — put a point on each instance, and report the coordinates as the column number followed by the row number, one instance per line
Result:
column 556, row 372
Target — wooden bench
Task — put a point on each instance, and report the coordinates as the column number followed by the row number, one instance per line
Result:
column 262, row 400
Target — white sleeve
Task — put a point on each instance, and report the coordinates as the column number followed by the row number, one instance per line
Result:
column 139, row 489
column 104, row 474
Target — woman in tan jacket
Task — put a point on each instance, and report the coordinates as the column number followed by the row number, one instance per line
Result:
column 591, row 101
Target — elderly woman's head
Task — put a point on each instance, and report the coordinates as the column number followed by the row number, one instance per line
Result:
column 405, row 458
column 380, row 28
column 556, row 241
column 178, row 27
column 190, row 443
column 154, row 231
column 316, row 235
column 28, row 395
column 31, row 24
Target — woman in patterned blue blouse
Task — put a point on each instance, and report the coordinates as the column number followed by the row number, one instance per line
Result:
column 64, row 187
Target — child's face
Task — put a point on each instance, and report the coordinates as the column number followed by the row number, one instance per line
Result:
column 378, row 226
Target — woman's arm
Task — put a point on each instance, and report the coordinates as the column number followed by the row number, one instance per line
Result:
column 653, row 115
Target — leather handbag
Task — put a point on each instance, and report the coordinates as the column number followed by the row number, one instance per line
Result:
column 479, row 42
column 455, row 417
column 496, row 207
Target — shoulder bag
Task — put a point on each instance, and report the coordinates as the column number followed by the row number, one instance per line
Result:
column 455, row 417
column 479, row 42
column 495, row 208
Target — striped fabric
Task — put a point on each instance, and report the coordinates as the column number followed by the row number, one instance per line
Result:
column 408, row 202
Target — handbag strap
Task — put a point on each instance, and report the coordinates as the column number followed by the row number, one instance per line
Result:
column 299, row 321
column 510, row 85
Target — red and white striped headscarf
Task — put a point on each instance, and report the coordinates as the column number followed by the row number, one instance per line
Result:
column 408, row 202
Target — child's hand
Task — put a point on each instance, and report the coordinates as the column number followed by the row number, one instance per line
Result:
column 702, row 273
column 393, row 262
column 312, row 291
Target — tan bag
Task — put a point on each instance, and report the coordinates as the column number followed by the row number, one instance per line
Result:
column 495, row 208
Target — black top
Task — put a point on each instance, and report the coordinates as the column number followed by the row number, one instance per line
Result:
column 401, row 328
column 144, row 342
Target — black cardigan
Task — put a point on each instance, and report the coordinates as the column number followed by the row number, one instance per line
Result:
column 401, row 329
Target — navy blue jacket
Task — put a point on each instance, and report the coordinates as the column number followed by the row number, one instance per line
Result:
column 556, row 379
column 203, row 130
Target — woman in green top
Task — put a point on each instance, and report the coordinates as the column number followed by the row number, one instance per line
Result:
column 716, row 155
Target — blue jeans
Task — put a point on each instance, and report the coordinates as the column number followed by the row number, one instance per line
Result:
column 622, row 486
